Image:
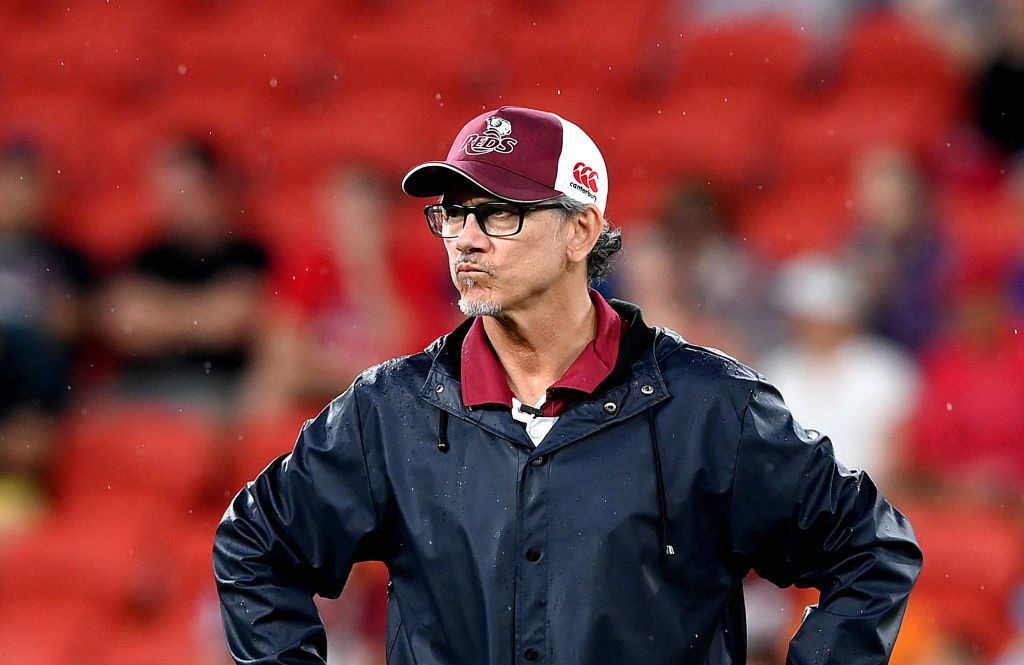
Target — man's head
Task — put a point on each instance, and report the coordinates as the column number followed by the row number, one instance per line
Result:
column 533, row 173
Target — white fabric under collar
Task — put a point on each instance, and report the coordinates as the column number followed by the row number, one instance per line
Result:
column 537, row 427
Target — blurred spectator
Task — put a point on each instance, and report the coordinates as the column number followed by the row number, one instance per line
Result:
column 769, row 617
column 1015, row 185
column 897, row 247
column 688, row 272
column 968, row 427
column 182, row 314
column 357, row 621
column 837, row 378
column 42, row 289
column 337, row 309
column 825, row 20
column 1014, row 653
column 963, row 28
column 999, row 99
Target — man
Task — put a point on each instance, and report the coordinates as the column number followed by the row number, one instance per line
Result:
column 555, row 481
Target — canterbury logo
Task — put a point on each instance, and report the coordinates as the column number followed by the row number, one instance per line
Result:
column 585, row 175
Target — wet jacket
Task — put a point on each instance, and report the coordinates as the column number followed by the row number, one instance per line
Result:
column 622, row 538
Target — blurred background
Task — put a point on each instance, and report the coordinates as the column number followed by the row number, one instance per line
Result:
column 203, row 240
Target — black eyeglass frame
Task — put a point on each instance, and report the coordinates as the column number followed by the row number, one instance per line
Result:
column 521, row 208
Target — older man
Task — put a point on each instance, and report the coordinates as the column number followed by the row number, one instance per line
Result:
column 555, row 481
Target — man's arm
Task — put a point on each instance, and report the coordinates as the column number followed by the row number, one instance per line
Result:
column 294, row 532
column 800, row 518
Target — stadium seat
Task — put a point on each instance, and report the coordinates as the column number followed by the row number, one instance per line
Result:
column 535, row 49
column 255, row 442
column 703, row 131
column 63, row 125
column 220, row 46
column 136, row 452
column 392, row 128
column 974, row 561
column 39, row 630
column 761, row 52
column 786, row 221
column 822, row 136
column 884, row 49
column 984, row 223
column 110, row 223
column 132, row 527
column 401, row 44
column 103, row 49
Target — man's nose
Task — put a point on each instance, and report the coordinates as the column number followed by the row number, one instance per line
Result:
column 472, row 235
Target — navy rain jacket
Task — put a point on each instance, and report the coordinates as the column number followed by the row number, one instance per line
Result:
column 503, row 553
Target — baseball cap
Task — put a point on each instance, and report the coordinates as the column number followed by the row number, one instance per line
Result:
column 520, row 155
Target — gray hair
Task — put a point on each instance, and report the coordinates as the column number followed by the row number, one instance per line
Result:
column 601, row 257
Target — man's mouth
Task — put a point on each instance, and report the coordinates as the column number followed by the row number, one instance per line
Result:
column 468, row 267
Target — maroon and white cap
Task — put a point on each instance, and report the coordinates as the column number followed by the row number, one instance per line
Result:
column 521, row 155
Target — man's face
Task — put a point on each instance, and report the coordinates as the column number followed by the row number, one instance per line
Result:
column 500, row 276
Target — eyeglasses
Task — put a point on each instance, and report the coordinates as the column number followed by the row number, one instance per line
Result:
column 497, row 219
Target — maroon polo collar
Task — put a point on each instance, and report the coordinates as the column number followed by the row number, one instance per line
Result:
column 484, row 382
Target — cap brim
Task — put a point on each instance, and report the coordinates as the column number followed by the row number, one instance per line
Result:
column 436, row 178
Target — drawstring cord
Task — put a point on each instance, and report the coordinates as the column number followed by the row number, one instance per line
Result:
column 442, row 432
column 662, row 501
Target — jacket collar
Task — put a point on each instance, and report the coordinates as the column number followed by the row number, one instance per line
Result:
column 486, row 382
column 634, row 385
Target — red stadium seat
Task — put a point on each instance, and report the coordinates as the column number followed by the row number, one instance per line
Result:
column 39, row 630
column 64, row 124
column 791, row 220
column 983, row 223
column 106, row 50
column 554, row 46
column 706, row 132
column 255, row 50
column 408, row 45
column 255, row 442
column 136, row 575
column 130, row 536
column 391, row 128
column 136, row 452
column 824, row 136
column 110, row 223
column 762, row 52
column 974, row 560
column 884, row 49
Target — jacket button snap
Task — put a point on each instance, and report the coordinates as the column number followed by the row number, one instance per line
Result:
column 531, row 654
column 647, row 389
column 537, row 461
column 439, row 387
column 610, row 408
column 533, row 555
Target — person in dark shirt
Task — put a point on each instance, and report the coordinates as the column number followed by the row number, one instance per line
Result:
column 1000, row 104
column 43, row 287
column 182, row 314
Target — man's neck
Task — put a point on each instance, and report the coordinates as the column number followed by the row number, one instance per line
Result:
column 537, row 346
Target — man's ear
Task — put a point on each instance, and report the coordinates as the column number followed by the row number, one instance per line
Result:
column 584, row 230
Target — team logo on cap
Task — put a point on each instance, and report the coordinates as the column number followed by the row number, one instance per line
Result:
column 586, row 179
column 494, row 139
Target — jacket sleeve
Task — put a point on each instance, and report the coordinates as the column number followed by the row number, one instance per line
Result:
column 800, row 518
column 294, row 532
